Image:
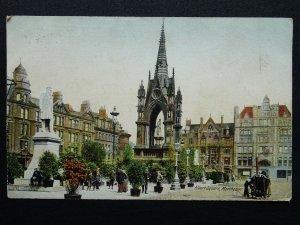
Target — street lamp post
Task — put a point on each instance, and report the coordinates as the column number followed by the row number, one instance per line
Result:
column 176, row 185
column 203, row 172
column 114, row 114
column 188, row 180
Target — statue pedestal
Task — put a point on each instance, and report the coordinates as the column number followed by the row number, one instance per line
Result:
column 43, row 141
column 158, row 140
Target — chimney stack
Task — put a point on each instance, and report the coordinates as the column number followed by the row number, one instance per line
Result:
column 57, row 96
column 85, row 106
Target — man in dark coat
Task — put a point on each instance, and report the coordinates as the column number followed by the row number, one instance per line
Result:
column 112, row 178
column 37, row 178
column 146, row 178
column 246, row 187
column 119, row 179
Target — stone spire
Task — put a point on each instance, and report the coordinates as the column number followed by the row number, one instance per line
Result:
column 161, row 68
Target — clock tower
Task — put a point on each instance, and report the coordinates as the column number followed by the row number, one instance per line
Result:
column 159, row 97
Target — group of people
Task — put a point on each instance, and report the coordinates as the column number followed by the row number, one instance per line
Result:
column 259, row 183
column 93, row 179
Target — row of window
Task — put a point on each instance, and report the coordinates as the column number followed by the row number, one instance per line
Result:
column 266, row 122
column 22, row 97
column 281, row 161
column 245, row 149
column 106, row 137
column 284, row 161
column 73, row 137
column 264, row 149
column 214, row 151
column 24, row 113
column 285, row 139
column 244, row 161
column 245, row 132
column 74, row 123
column 103, row 124
column 285, row 131
column 262, row 139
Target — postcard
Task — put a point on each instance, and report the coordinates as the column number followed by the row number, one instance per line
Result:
column 149, row 108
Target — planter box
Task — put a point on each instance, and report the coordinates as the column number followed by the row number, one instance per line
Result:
column 135, row 192
column 158, row 189
column 190, row 184
column 73, row 196
column 48, row 183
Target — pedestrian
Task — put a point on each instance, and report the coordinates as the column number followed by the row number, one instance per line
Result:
column 233, row 178
column 112, row 178
column 89, row 180
column 125, row 181
column 34, row 180
column 268, row 186
column 119, row 179
column 159, row 179
column 146, row 178
column 246, row 187
column 97, row 179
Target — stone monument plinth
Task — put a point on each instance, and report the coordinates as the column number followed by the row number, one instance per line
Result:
column 43, row 141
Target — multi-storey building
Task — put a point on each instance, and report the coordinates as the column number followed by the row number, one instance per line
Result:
column 73, row 127
column 263, row 140
column 22, row 113
column 213, row 143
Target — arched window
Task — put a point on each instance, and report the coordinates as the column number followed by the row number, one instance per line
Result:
column 264, row 163
column 210, row 129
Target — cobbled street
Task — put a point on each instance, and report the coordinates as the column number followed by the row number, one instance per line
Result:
column 281, row 191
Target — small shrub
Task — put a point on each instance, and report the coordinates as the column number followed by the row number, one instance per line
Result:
column 14, row 168
column 74, row 174
column 48, row 164
column 135, row 174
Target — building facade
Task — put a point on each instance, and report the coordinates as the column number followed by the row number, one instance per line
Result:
column 22, row 117
column 155, row 137
column 263, row 140
column 213, row 143
column 73, row 127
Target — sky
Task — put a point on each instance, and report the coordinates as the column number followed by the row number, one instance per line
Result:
column 219, row 63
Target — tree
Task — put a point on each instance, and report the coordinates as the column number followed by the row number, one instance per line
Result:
column 93, row 152
column 48, row 164
column 196, row 173
column 14, row 168
column 182, row 169
column 128, row 155
column 169, row 169
column 91, row 166
column 191, row 165
column 68, row 155
column 106, row 169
